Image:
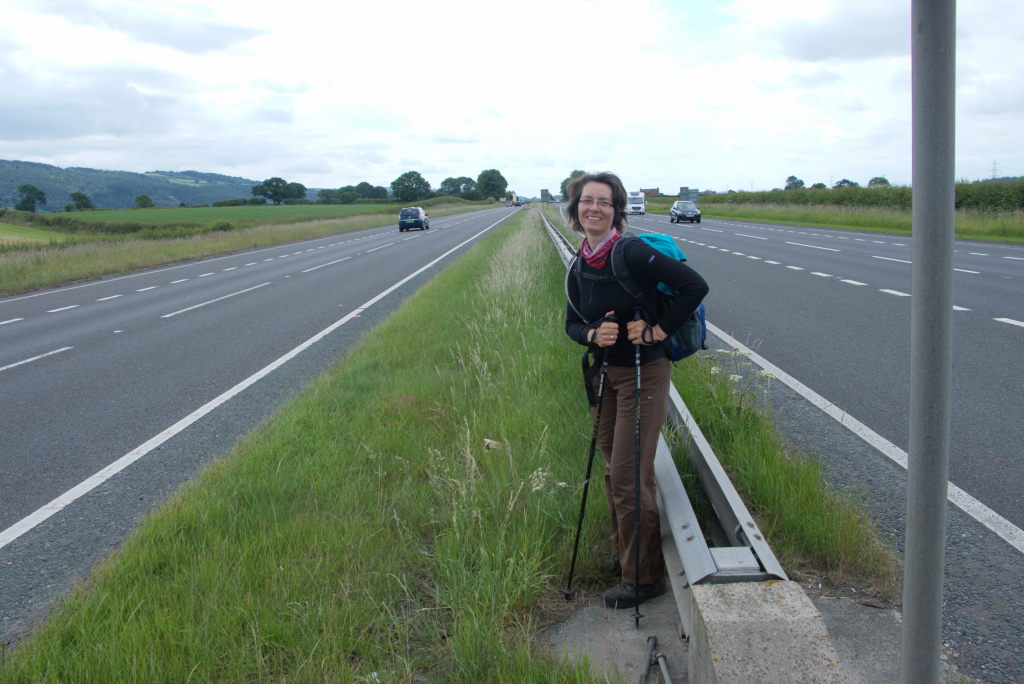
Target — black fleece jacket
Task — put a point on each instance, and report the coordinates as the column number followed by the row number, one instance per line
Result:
column 595, row 297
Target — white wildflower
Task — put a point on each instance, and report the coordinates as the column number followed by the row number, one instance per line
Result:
column 735, row 378
column 491, row 444
column 715, row 370
column 538, row 478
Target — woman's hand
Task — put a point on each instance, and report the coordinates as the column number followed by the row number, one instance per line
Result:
column 635, row 329
column 606, row 334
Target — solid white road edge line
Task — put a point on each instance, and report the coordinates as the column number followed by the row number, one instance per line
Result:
column 1009, row 532
column 31, row 520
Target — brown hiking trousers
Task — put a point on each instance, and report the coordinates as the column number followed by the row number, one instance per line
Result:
column 615, row 436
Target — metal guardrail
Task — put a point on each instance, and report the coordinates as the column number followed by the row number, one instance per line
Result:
column 737, row 551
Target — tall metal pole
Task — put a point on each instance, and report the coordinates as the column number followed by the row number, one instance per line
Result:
column 933, row 24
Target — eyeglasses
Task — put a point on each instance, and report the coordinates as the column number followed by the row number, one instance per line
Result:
column 589, row 202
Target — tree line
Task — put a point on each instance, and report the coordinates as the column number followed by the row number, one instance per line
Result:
column 411, row 186
column 988, row 195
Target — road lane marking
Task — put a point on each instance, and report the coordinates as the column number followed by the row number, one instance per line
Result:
column 182, row 280
column 146, row 289
column 203, row 275
column 821, row 275
column 800, row 244
column 1014, row 258
column 381, row 247
column 964, row 270
column 796, row 268
column 1010, row 321
column 329, row 263
column 902, row 261
column 107, row 299
column 896, row 292
column 1005, row 529
column 218, row 299
column 81, row 489
column 11, row 320
column 34, row 358
column 851, row 282
column 756, row 237
column 63, row 308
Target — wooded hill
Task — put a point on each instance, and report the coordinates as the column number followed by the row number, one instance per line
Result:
column 117, row 189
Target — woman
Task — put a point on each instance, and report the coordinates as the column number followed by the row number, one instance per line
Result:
column 605, row 317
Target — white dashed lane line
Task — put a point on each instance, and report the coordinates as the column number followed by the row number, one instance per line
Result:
column 34, row 358
column 63, row 308
column 227, row 296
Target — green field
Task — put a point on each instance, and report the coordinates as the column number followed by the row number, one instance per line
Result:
column 159, row 216
column 11, row 234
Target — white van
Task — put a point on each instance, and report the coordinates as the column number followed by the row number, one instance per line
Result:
column 636, row 202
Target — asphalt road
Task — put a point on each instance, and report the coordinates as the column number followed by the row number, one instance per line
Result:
column 832, row 309
column 116, row 391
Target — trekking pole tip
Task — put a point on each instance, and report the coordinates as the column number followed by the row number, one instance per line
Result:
column 567, row 593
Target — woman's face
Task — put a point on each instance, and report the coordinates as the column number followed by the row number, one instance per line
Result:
column 596, row 210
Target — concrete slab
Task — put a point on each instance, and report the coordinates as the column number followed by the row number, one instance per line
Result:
column 610, row 641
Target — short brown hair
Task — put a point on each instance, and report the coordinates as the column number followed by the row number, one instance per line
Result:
column 575, row 189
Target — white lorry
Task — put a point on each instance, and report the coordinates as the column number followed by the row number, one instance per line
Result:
column 636, row 202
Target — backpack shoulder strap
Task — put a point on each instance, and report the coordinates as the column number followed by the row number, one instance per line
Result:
column 621, row 271
column 574, row 271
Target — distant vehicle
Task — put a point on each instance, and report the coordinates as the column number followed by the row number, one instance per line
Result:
column 636, row 203
column 413, row 217
column 684, row 210
column 517, row 203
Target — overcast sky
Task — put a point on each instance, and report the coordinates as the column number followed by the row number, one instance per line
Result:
column 712, row 94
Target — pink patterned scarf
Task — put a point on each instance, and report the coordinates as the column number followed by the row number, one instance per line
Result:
column 597, row 257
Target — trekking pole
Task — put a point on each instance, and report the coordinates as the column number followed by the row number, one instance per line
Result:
column 637, row 315
column 567, row 590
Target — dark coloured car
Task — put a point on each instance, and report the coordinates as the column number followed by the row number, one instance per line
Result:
column 684, row 210
column 413, row 217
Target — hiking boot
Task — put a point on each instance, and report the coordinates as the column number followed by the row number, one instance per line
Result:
column 625, row 595
column 614, row 565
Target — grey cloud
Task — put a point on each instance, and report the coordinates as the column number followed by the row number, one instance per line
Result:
column 854, row 31
column 148, row 23
column 86, row 103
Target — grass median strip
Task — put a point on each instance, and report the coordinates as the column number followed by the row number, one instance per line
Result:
column 402, row 520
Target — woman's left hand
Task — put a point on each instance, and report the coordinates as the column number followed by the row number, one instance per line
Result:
column 634, row 330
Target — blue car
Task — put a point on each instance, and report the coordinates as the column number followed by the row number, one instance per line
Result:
column 413, row 217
